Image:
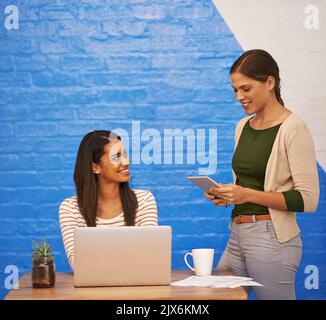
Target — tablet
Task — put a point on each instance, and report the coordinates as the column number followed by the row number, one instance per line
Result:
column 204, row 182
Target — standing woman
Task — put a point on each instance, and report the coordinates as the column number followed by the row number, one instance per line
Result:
column 104, row 197
column 275, row 176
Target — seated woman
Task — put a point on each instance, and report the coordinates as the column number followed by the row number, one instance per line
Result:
column 104, row 197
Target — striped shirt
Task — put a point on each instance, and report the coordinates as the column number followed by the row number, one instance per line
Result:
column 70, row 218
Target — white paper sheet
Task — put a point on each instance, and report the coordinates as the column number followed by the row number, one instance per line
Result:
column 216, row 282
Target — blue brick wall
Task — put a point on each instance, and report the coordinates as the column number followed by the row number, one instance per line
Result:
column 74, row 66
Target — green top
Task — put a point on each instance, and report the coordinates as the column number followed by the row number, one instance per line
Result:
column 249, row 164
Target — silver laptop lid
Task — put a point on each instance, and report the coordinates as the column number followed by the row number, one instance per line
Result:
column 122, row 256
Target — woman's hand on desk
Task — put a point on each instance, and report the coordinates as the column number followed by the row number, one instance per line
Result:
column 230, row 194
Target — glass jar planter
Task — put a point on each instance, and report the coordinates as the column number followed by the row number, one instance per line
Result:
column 43, row 272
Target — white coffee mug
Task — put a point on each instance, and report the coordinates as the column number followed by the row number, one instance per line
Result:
column 203, row 261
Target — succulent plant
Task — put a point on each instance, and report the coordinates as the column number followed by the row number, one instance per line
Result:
column 42, row 250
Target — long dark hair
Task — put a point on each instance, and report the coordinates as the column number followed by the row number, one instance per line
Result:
column 259, row 65
column 90, row 151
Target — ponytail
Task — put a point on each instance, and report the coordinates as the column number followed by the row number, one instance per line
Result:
column 277, row 90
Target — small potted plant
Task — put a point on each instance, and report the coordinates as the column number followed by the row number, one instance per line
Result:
column 43, row 267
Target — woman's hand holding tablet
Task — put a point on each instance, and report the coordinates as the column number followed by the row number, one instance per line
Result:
column 208, row 185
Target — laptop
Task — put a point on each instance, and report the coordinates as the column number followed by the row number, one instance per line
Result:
column 122, row 256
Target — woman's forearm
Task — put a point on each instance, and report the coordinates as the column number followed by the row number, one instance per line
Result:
column 274, row 200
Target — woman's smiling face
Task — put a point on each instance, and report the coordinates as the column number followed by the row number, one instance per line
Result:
column 252, row 94
column 114, row 163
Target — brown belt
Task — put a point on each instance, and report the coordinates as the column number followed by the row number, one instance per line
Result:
column 251, row 218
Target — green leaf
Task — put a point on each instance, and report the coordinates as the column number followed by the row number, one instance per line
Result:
column 42, row 250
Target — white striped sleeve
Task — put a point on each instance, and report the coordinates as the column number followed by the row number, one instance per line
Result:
column 68, row 222
column 147, row 215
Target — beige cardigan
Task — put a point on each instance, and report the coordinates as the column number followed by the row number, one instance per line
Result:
column 291, row 165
